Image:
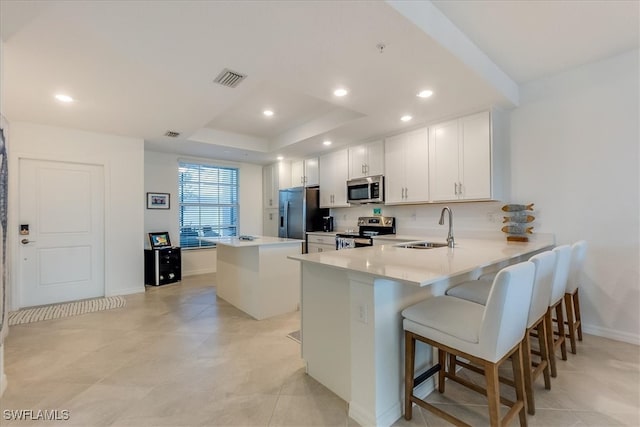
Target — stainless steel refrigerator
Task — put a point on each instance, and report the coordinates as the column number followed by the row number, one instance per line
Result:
column 300, row 212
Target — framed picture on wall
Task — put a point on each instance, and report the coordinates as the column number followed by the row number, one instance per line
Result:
column 158, row 200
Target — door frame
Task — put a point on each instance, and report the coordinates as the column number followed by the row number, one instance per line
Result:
column 14, row 299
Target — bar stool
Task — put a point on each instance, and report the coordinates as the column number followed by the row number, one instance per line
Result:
column 571, row 298
column 476, row 290
column 560, row 276
column 485, row 335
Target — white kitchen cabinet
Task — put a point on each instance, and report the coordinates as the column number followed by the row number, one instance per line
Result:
column 270, row 222
column 406, row 163
column 366, row 160
column 321, row 243
column 284, row 175
column 333, row 179
column 460, row 159
column 305, row 172
column 270, row 186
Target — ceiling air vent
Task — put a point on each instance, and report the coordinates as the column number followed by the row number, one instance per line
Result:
column 172, row 134
column 229, row 78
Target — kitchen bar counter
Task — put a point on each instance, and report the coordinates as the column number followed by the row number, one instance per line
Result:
column 352, row 339
column 256, row 276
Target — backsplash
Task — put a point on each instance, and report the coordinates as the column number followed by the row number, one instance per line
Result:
column 480, row 219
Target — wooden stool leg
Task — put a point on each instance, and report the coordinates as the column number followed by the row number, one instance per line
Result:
column 453, row 363
column 519, row 378
column 568, row 305
column 409, row 362
column 442, row 360
column 528, row 374
column 576, row 305
column 544, row 353
column 563, row 341
column 493, row 392
column 549, row 330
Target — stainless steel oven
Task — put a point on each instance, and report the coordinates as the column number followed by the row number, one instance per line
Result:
column 368, row 226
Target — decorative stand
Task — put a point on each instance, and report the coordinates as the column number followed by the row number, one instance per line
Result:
column 518, row 222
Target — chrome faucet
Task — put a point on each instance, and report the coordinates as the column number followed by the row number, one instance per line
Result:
column 450, row 241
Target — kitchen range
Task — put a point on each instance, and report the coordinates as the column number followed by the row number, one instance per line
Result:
column 368, row 226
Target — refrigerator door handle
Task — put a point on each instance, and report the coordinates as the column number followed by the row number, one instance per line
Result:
column 286, row 219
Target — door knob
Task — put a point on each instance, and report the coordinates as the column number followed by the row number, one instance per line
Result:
column 26, row 241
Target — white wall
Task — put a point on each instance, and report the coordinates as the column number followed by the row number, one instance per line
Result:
column 123, row 162
column 161, row 175
column 574, row 142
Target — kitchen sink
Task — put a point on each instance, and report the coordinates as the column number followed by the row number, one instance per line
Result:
column 422, row 245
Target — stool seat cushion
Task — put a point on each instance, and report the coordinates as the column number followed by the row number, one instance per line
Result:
column 473, row 290
column 435, row 314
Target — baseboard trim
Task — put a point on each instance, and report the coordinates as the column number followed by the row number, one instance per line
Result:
column 198, row 272
column 126, row 291
column 611, row 334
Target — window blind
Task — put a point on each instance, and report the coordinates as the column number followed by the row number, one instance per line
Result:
column 208, row 197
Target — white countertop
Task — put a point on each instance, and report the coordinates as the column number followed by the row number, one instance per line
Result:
column 427, row 266
column 258, row 241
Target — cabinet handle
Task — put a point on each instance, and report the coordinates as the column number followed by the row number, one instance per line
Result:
column 460, row 189
column 270, row 216
column 455, row 188
column 406, row 192
column 320, row 250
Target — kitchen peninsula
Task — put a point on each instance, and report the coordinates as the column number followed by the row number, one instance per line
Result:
column 352, row 300
column 256, row 276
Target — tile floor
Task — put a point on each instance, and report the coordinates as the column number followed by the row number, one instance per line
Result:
column 178, row 356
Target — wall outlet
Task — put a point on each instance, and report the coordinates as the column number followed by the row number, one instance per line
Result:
column 363, row 313
column 377, row 211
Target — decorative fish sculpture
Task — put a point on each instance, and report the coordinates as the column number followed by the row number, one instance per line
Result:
column 518, row 218
column 517, row 229
column 515, row 208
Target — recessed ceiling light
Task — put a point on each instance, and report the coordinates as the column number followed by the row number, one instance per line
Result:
column 406, row 118
column 63, row 98
column 280, row 158
column 327, row 142
column 340, row 92
column 268, row 113
column 425, row 93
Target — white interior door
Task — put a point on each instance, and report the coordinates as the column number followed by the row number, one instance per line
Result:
column 62, row 257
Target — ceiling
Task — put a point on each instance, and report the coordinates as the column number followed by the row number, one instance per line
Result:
column 142, row 68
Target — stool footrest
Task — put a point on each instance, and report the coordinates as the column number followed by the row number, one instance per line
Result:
column 426, row 375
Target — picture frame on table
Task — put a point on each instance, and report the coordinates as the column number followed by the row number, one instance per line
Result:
column 158, row 200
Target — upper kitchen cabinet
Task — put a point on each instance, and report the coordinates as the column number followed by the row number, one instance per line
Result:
column 406, row 160
column 461, row 161
column 333, row 179
column 366, row 160
column 274, row 178
column 305, row 172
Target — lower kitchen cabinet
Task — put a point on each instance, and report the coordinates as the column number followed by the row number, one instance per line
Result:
column 321, row 243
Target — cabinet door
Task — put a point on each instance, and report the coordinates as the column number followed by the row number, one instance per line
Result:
column 394, row 169
column 357, row 161
column 297, row 173
column 416, row 166
column 475, row 158
column 326, row 180
column 443, row 161
column 284, row 174
column 270, row 186
column 270, row 222
column 375, row 158
column 311, row 172
column 333, row 179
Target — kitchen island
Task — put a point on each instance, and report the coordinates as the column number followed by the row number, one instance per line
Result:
column 352, row 300
column 256, row 276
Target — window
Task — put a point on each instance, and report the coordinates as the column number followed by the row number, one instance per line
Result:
column 208, row 198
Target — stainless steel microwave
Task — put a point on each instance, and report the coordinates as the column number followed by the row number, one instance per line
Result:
column 366, row 190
